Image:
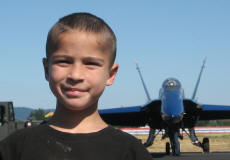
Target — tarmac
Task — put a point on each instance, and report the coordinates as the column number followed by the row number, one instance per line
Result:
column 193, row 156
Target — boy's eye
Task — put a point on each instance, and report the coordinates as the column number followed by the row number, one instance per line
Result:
column 92, row 63
column 61, row 62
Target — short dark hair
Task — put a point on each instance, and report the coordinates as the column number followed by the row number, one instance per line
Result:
column 82, row 22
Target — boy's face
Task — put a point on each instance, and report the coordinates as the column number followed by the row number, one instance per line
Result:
column 79, row 69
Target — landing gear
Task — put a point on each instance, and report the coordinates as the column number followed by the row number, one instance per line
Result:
column 193, row 137
column 167, row 148
column 151, row 138
column 205, row 145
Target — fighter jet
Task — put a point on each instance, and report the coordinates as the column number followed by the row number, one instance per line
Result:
column 172, row 114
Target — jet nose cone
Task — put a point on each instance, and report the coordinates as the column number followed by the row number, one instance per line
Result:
column 170, row 119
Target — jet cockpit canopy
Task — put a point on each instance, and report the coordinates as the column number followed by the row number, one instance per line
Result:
column 171, row 84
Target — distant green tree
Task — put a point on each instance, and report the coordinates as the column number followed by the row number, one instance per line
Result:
column 214, row 123
column 225, row 122
column 202, row 123
column 37, row 114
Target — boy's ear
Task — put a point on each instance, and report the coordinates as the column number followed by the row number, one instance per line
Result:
column 46, row 68
column 112, row 74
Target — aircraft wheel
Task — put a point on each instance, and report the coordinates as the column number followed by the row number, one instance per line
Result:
column 167, row 148
column 205, row 145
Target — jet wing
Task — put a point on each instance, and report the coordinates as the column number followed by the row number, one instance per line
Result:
column 126, row 116
column 214, row 112
column 134, row 116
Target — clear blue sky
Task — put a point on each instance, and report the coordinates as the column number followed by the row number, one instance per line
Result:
column 168, row 39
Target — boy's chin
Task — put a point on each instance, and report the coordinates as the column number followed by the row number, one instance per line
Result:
column 76, row 107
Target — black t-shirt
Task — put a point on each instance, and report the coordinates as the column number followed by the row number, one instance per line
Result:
column 45, row 143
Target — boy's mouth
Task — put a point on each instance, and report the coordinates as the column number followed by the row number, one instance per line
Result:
column 73, row 92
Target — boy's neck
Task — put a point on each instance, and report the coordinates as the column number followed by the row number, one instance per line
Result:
column 86, row 121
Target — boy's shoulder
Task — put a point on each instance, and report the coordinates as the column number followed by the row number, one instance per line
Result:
column 120, row 136
column 17, row 139
column 30, row 130
column 22, row 134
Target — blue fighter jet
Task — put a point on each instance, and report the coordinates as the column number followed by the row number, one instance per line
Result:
column 171, row 113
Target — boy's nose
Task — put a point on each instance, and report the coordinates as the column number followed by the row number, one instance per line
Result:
column 75, row 74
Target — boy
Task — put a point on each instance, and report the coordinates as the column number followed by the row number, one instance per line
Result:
column 79, row 63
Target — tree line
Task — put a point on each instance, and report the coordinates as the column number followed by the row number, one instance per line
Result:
column 37, row 115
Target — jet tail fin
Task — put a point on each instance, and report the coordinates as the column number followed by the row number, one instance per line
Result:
column 198, row 80
column 143, row 83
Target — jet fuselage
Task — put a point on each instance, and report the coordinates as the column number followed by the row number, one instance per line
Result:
column 171, row 96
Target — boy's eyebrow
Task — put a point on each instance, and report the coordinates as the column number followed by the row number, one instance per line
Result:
column 61, row 56
column 100, row 60
column 94, row 59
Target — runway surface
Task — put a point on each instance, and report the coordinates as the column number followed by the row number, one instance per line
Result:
column 193, row 156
